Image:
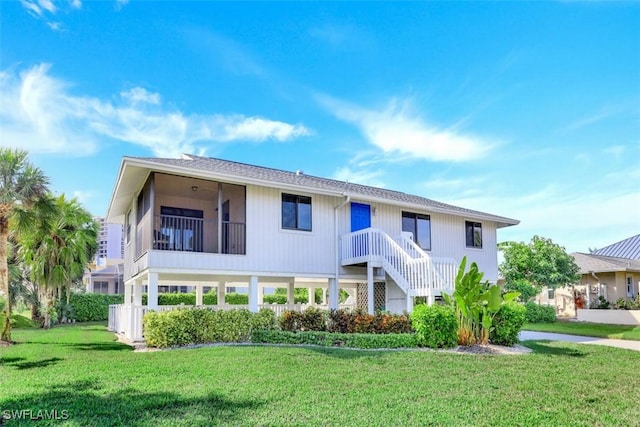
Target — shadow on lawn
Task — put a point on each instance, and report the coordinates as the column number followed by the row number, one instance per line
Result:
column 19, row 364
column 100, row 346
column 547, row 348
column 87, row 403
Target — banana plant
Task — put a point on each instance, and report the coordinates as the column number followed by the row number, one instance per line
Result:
column 476, row 304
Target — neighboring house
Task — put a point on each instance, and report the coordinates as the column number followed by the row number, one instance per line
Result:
column 207, row 222
column 105, row 279
column 612, row 272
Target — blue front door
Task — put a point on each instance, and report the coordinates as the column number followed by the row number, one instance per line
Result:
column 360, row 216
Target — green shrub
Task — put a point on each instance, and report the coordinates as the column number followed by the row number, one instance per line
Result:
column 508, row 323
column 201, row 325
column 436, row 325
column 359, row 321
column 328, row 339
column 312, row 319
column 600, row 304
column 210, row 298
column 275, row 299
column 91, row 307
column 235, row 298
column 537, row 313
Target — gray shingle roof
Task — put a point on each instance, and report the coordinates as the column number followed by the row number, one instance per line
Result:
column 627, row 248
column 596, row 263
column 243, row 170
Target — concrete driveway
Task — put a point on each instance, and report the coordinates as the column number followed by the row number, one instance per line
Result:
column 529, row 335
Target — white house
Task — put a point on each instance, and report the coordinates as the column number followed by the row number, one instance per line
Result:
column 207, row 222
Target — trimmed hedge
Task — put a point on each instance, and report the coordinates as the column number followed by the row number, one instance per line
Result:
column 329, row 339
column 537, row 313
column 345, row 322
column 508, row 323
column 201, row 325
column 92, row 307
column 436, row 325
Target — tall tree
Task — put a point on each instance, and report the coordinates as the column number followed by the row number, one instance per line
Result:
column 21, row 186
column 57, row 252
column 541, row 263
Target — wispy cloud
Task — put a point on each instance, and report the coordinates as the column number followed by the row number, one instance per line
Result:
column 46, row 10
column 603, row 114
column 360, row 176
column 340, row 36
column 615, row 150
column 229, row 53
column 38, row 113
column 396, row 129
column 121, row 3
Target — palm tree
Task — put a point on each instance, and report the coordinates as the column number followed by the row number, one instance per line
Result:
column 57, row 252
column 21, row 186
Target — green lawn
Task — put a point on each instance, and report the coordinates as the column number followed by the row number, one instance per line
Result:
column 82, row 370
column 599, row 330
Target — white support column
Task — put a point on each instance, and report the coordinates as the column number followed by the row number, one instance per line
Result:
column 291, row 294
column 253, row 294
column 152, row 291
column 137, row 292
column 430, row 298
column 222, row 291
column 409, row 303
column 89, row 287
column 260, row 295
column 370, row 308
column 127, row 292
column 311, row 296
column 135, row 326
column 333, row 294
column 199, row 294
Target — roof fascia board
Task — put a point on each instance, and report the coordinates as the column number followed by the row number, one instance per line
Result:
column 199, row 173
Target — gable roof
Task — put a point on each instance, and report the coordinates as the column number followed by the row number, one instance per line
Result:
column 589, row 263
column 627, row 248
column 208, row 167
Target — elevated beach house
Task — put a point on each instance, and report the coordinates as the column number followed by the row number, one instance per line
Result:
column 209, row 223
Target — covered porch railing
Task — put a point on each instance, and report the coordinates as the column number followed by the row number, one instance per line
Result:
column 127, row 319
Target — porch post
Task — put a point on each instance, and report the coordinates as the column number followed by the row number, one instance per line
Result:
column 152, row 291
column 219, row 209
column 127, row 293
column 199, row 294
column 370, row 308
column 333, row 294
column 409, row 303
column 137, row 292
column 311, row 296
column 291, row 294
column 260, row 295
column 222, row 290
column 253, row 294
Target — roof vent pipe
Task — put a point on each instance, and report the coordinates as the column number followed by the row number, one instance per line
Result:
column 299, row 172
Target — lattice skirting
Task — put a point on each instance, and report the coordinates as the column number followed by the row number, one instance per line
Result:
column 379, row 296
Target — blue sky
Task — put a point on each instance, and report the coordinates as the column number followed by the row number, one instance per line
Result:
column 528, row 110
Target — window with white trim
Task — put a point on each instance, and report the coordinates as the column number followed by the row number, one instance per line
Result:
column 420, row 226
column 296, row 212
column 473, row 232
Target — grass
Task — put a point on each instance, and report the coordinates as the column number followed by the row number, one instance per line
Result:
column 81, row 370
column 599, row 330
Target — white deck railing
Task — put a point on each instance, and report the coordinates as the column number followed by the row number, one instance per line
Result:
column 127, row 319
column 407, row 264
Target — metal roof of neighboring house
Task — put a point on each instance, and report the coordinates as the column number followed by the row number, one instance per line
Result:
column 627, row 248
column 243, row 172
column 109, row 271
column 597, row 263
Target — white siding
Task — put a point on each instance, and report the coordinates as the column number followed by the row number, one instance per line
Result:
column 447, row 235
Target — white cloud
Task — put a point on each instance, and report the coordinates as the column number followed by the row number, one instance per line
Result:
column 121, row 3
column 363, row 177
column 38, row 113
column 615, row 150
column 576, row 220
column 397, row 130
column 47, row 9
column 141, row 95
